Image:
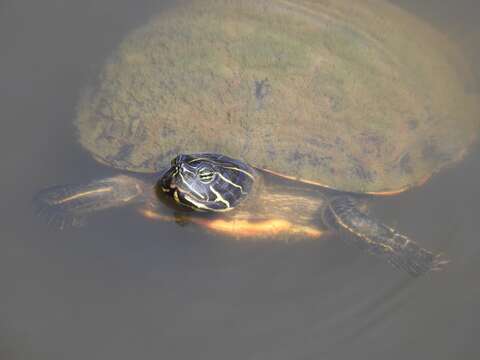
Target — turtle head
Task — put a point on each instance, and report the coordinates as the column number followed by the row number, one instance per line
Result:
column 208, row 182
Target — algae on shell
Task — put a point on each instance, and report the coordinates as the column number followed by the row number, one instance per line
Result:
column 359, row 96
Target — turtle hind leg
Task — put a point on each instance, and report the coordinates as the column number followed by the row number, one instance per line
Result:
column 371, row 235
column 68, row 205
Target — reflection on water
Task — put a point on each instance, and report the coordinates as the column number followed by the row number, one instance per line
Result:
column 124, row 287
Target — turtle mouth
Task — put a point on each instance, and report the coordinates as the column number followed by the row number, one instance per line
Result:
column 168, row 181
column 175, row 182
column 172, row 184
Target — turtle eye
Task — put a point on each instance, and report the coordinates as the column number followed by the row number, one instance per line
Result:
column 206, row 175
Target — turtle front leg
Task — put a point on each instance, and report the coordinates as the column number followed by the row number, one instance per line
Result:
column 69, row 204
column 343, row 214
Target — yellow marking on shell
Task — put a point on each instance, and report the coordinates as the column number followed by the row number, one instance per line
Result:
column 82, row 194
column 231, row 183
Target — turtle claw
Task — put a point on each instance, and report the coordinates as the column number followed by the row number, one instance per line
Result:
column 55, row 215
column 59, row 219
column 439, row 263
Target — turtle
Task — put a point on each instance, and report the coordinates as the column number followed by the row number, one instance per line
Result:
column 274, row 119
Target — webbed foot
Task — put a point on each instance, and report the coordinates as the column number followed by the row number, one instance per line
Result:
column 68, row 205
column 371, row 235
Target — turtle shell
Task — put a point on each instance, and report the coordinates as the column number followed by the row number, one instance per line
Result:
column 358, row 96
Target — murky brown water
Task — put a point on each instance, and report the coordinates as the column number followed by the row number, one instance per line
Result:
column 127, row 288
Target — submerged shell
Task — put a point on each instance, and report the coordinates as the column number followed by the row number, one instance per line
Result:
column 359, row 96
